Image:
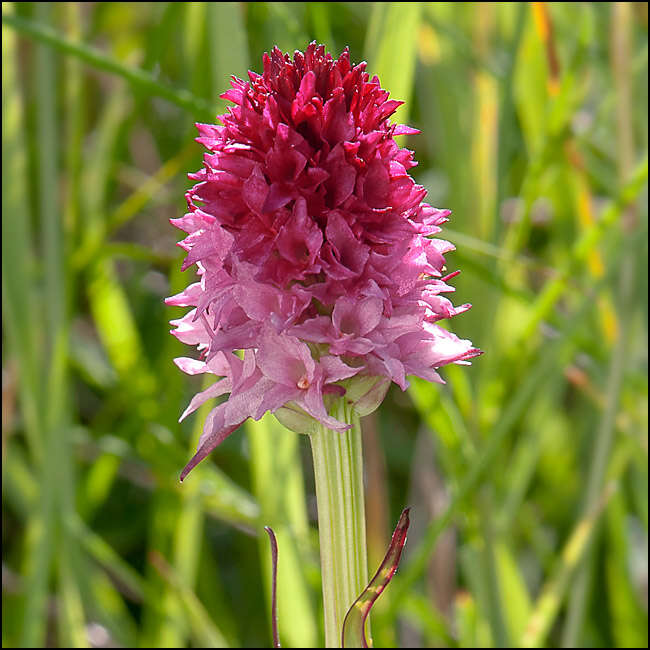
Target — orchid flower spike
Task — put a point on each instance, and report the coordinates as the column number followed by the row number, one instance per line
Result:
column 320, row 276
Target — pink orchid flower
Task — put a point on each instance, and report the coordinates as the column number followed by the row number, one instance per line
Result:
column 319, row 270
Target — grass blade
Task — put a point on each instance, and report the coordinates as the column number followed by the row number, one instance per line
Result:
column 142, row 80
column 550, row 598
column 203, row 628
column 589, row 239
column 391, row 50
column 19, row 298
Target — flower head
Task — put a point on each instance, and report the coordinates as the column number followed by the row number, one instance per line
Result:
column 316, row 255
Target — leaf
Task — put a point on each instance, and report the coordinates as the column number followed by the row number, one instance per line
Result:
column 274, row 585
column 353, row 634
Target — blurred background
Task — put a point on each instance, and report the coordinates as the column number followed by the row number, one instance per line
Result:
column 527, row 473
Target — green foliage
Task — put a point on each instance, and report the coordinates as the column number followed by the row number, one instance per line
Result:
column 530, row 514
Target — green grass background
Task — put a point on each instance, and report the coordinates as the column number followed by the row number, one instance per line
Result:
column 527, row 472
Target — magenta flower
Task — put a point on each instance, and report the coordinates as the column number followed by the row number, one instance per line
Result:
column 315, row 252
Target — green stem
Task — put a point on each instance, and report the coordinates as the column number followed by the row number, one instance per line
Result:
column 338, row 472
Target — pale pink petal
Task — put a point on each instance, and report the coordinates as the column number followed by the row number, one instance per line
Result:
column 335, row 370
column 191, row 366
column 357, row 317
column 312, row 401
column 214, row 433
column 284, row 359
column 218, row 388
